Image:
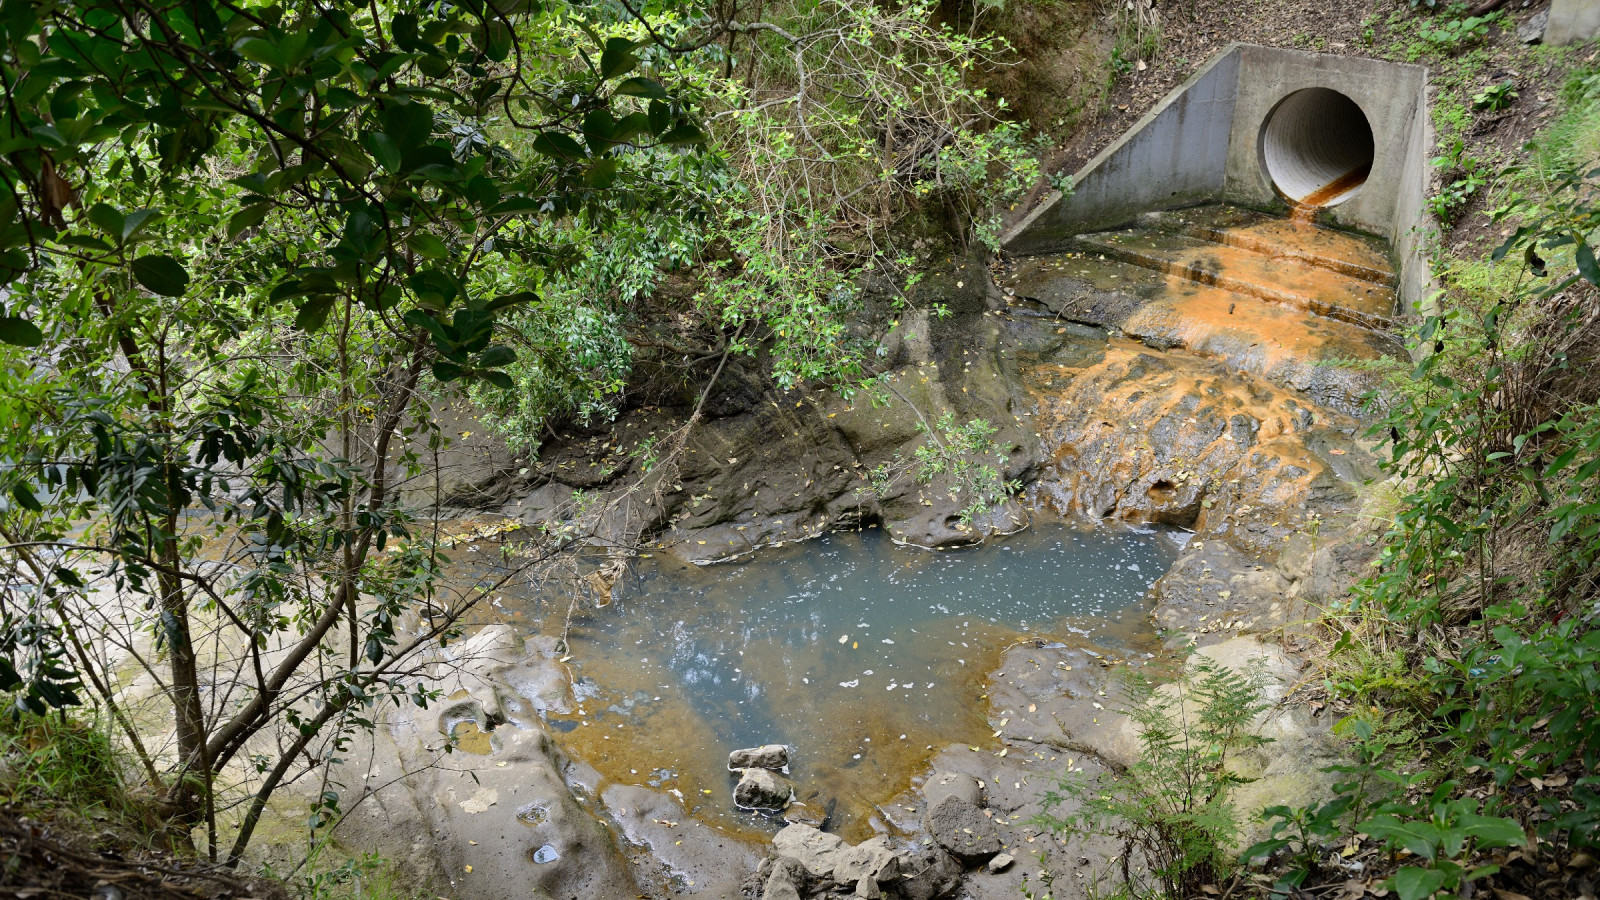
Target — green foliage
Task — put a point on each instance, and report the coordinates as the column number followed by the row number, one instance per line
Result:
column 1495, row 97
column 957, row 457
column 767, row 248
column 1305, row 832
column 50, row 762
column 1171, row 809
column 1447, row 832
column 1465, row 176
column 1452, row 35
column 1477, row 631
column 241, row 244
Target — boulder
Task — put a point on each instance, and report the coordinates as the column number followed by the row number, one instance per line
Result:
column 761, row 789
column 962, row 828
column 828, row 857
column 926, row 874
column 951, row 784
column 785, row 881
column 766, row 756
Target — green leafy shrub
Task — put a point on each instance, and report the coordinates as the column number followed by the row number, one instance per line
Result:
column 1443, row 836
column 1452, row 35
column 1495, row 97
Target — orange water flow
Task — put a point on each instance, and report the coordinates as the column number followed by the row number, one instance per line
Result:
column 1305, row 210
column 1228, row 301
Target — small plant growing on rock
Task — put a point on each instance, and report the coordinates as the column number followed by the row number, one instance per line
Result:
column 959, row 455
column 1170, row 809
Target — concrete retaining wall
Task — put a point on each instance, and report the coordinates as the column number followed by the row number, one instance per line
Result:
column 1173, row 157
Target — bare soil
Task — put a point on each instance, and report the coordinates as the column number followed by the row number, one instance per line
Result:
column 54, row 859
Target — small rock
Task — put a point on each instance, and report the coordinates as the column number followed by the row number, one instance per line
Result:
column 760, row 789
column 1001, row 863
column 804, row 814
column 767, row 756
column 1532, row 31
column 785, row 881
column 927, row 874
column 961, row 828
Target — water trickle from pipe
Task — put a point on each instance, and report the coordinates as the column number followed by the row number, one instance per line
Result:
column 1304, row 210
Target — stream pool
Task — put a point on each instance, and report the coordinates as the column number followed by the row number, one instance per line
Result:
column 860, row 654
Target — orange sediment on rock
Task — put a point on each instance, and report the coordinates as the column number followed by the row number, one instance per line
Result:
column 1251, row 336
column 1221, row 431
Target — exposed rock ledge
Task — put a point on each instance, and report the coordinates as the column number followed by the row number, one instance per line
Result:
column 1098, row 427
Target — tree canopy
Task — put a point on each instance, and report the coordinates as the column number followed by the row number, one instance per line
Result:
column 246, row 248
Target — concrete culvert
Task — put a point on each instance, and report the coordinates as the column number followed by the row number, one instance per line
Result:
column 1316, row 146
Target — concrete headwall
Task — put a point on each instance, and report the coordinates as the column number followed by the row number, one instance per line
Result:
column 1202, row 144
column 1388, row 94
column 1572, row 21
column 1175, row 156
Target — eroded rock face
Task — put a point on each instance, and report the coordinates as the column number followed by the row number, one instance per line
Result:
column 666, row 846
column 501, row 804
column 1146, row 437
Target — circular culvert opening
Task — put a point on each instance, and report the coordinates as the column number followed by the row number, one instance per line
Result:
column 1316, row 146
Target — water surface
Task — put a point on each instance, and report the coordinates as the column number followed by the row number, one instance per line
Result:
column 858, row 653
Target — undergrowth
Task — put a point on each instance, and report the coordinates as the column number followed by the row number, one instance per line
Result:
column 1171, row 811
column 52, row 763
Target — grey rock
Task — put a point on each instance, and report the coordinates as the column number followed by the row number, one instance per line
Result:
column 785, row 880
column 648, row 819
column 761, row 789
column 926, row 874
column 827, row 856
column 1001, row 863
column 872, row 858
column 951, row 784
column 766, row 756
column 961, row 828
column 1532, row 31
